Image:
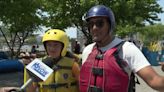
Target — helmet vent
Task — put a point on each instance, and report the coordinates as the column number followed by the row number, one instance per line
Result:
column 54, row 32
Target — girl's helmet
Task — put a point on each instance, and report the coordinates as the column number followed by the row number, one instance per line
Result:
column 57, row 35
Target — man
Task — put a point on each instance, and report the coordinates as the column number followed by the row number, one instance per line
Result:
column 101, row 71
column 77, row 47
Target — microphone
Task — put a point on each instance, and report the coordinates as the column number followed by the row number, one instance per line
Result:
column 38, row 71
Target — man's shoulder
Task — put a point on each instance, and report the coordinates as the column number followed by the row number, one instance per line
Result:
column 89, row 47
column 129, row 45
column 86, row 51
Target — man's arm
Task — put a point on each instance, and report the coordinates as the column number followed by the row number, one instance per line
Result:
column 154, row 80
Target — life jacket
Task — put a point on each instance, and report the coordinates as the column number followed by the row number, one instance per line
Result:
column 62, row 79
column 102, row 73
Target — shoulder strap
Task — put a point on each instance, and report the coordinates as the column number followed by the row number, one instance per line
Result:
column 118, row 59
column 119, row 46
column 125, row 68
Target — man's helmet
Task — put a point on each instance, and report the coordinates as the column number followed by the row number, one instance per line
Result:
column 57, row 35
column 101, row 11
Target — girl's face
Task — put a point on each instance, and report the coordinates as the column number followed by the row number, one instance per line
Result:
column 54, row 48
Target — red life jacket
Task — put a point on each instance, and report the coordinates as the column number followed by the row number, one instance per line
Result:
column 101, row 73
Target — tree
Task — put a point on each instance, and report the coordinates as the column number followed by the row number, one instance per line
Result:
column 23, row 17
column 152, row 33
column 19, row 19
column 127, row 12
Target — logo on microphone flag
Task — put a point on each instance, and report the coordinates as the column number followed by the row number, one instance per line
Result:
column 39, row 69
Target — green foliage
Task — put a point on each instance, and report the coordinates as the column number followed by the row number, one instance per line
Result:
column 125, row 31
column 136, row 12
column 19, row 15
column 147, row 34
column 22, row 17
column 31, row 40
column 152, row 33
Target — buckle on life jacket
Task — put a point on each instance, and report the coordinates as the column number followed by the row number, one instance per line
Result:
column 94, row 89
column 97, row 71
column 57, row 67
column 57, row 85
column 99, row 56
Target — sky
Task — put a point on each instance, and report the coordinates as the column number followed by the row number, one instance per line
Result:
column 161, row 3
column 72, row 32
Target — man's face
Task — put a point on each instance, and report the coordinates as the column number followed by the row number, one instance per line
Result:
column 99, row 28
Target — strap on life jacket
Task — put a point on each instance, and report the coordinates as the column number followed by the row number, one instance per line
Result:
column 125, row 68
column 99, row 56
column 118, row 59
column 95, row 89
column 57, row 67
column 57, row 85
column 97, row 71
